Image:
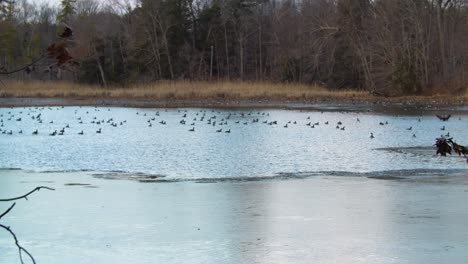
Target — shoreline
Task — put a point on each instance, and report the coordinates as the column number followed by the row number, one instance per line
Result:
column 374, row 102
column 172, row 94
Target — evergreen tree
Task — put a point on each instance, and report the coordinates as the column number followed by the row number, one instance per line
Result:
column 67, row 8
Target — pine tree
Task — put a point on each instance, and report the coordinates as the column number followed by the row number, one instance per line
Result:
column 67, row 9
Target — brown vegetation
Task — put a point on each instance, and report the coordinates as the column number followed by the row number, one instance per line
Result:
column 210, row 91
column 174, row 90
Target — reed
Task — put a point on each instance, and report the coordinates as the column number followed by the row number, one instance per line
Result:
column 184, row 90
column 202, row 90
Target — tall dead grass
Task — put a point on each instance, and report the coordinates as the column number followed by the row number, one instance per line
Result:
column 183, row 90
column 199, row 90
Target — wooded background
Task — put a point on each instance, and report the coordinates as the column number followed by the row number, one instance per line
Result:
column 388, row 47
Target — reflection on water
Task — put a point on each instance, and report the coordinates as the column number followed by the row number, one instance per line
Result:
column 134, row 140
column 315, row 220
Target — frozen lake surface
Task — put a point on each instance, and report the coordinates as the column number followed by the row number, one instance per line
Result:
column 276, row 189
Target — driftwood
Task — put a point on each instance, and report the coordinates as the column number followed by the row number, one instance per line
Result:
column 21, row 249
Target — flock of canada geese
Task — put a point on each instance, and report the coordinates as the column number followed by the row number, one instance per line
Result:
column 220, row 121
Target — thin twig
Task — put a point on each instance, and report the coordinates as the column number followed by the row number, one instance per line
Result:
column 7, row 211
column 20, row 248
column 26, row 195
column 24, row 67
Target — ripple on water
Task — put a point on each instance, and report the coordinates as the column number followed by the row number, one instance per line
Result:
column 259, row 144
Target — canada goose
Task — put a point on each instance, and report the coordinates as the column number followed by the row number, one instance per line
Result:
column 409, row 128
column 81, row 133
column 35, row 132
column 443, row 128
column 192, row 129
column 228, row 131
column 444, row 118
column 414, row 135
column 53, row 133
column 219, row 130
column 371, row 135
column 99, row 131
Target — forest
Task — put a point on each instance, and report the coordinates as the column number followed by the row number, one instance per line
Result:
column 385, row 47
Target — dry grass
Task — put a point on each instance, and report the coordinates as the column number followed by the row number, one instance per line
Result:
column 187, row 90
column 183, row 90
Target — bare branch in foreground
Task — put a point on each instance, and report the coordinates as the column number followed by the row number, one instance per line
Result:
column 20, row 248
column 7, row 211
column 26, row 195
column 22, row 68
column 7, row 228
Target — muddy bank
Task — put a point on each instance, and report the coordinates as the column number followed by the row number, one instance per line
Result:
column 342, row 103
